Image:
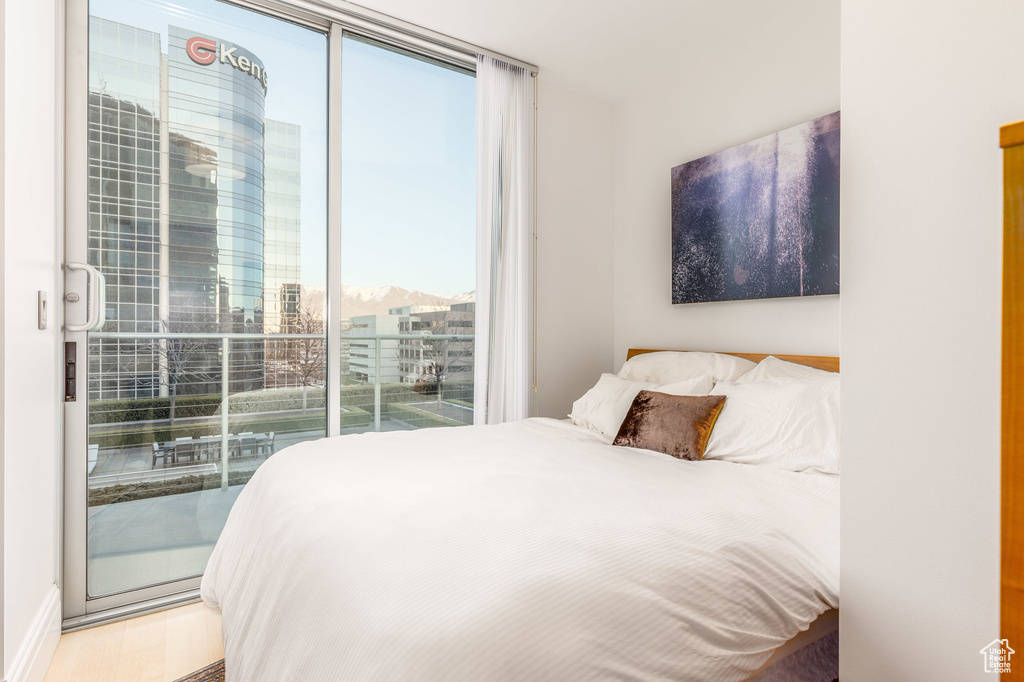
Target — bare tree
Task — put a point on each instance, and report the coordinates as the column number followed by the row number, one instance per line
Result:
column 187, row 362
column 445, row 359
column 182, row 365
column 305, row 359
column 174, row 364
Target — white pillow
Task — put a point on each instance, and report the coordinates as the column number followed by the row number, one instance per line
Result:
column 783, row 423
column 666, row 367
column 774, row 368
column 699, row 386
column 607, row 401
column 603, row 407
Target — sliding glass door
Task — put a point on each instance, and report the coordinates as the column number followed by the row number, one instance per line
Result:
column 201, row 230
column 270, row 238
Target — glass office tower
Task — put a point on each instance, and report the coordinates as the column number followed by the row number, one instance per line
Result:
column 282, row 272
column 215, row 121
column 181, row 217
column 124, row 202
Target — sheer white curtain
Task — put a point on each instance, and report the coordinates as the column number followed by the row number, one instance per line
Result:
column 504, row 119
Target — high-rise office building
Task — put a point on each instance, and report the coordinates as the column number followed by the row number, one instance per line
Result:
column 282, row 269
column 124, row 202
column 286, row 361
column 181, row 218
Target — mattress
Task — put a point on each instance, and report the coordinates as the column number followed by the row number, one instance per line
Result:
column 525, row 551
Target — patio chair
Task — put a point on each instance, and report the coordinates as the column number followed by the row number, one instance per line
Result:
column 247, row 443
column 185, row 447
column 210, row 447
column 266, row 446
column 162, row 454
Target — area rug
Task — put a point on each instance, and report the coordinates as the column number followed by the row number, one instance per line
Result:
column 211, row 673
column 215, row 673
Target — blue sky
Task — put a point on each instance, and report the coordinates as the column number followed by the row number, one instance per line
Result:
column 408, row 172
column 408, row 145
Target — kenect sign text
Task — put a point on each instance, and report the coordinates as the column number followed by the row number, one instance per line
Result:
column 204, row 52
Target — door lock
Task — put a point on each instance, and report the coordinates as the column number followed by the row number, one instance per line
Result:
column 70, row 371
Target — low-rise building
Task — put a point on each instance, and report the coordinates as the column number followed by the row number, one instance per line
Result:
column 362, row 353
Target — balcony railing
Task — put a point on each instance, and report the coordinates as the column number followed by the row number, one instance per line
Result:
column 242, row 364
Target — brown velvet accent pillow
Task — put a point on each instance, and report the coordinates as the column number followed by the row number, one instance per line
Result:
column 678, row 425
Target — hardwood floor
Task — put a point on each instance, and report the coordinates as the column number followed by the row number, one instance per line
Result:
column 159, row 647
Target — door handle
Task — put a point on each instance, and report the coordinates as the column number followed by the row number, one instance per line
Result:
column 95, row 302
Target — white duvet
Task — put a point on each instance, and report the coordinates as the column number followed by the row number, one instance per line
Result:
column 531, row 551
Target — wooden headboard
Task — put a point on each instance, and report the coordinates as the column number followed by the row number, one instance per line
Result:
column 829, row 363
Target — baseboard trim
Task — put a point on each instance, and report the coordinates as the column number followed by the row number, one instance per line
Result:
column 33, row 660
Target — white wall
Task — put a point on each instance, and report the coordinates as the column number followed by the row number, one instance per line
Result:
column 30, row 601
column 925, row 88
column 3, row 412
column 752, row 79
column 574, row 246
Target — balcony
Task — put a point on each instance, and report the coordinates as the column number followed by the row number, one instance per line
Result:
column 207, row 409
column 178, row 423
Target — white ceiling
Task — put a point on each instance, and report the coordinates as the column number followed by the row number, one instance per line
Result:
column 614, row 50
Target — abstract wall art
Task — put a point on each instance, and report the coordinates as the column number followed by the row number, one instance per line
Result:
column 760, row 220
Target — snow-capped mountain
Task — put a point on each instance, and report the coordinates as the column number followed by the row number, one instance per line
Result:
column 377, row 300
column 468, row 297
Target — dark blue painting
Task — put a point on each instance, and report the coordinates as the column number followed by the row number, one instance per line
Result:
column 760, row 220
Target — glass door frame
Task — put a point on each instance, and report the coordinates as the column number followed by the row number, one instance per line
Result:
column 78, row 609
column 332, row 20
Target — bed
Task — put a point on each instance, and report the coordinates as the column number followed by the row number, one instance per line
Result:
column 534, row 550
